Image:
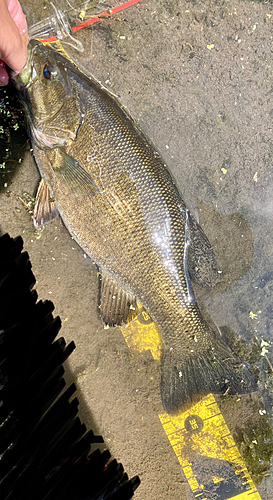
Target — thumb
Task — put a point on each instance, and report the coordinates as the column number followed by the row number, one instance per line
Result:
column 13, row 49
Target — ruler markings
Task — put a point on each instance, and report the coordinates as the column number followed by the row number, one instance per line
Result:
column 199, row 434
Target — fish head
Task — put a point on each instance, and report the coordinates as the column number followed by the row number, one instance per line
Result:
column 49, row 94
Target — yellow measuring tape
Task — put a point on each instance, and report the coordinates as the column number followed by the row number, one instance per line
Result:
column 200, row 437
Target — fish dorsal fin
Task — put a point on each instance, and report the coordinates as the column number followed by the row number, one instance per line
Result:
column 201, row 259
column 45, row 209
column 73, row 175
column 117, row 305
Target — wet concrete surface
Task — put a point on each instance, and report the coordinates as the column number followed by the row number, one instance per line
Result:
column 198, row 77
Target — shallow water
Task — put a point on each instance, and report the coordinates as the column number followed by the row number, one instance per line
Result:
column 198, row 77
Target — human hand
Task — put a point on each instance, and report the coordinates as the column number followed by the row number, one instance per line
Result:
column 13, row 38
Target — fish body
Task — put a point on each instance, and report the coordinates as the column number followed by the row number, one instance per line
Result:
column 119, row 201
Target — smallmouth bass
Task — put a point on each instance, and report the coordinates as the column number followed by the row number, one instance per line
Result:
column 119, row 201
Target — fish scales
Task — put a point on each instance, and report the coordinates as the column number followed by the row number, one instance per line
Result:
column 149, row 203
column 121, row 204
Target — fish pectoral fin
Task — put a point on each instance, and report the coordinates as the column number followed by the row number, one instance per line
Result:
column 73, row 175
column 117, row 306
column 201, row 260
column 45, row 209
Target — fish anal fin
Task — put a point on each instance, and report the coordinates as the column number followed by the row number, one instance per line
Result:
column 201, row 260
column 117, row 306
column 45, row 209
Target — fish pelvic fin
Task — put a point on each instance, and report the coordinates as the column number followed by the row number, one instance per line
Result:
column 186, row 379
column 45, row 209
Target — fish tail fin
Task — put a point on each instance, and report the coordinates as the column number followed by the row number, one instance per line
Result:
column 186, row 379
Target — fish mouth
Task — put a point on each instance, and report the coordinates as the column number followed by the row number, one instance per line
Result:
column 28, row 74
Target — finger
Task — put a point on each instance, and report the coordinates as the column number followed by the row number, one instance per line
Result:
column 18, row 17
column 4, row 77
column 13, row 50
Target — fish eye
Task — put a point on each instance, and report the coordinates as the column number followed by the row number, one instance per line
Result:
column 49, row 71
